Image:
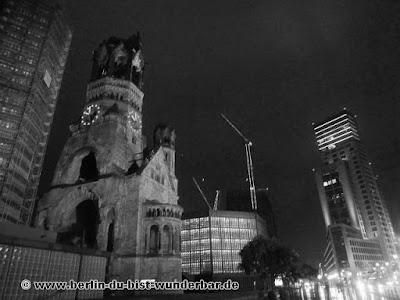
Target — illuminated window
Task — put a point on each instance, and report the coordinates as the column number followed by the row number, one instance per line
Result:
column 330, row 182
column 8, row 125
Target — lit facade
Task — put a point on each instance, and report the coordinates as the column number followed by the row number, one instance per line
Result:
column 35, row 39
column 348, row 189
column 336, row 196
column 239, row 200
column 211, row 244
column 335, row 131
column 347, row 250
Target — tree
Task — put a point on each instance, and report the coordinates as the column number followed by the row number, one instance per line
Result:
column 269, row 258
column 307, row 271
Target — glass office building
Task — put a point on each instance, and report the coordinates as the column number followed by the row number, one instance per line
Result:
column 239, row 200
column 35, row 39
column 211, row 244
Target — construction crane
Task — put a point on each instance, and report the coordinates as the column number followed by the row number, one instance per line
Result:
column 216, row 200
column 201, row 192
column 250, row 171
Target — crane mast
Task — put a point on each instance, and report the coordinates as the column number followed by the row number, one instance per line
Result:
column 216, row 200
column 250, row 170
column 250, row 174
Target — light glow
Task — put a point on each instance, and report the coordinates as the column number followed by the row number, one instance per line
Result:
column 338, row 124
column 331, row 136
column 338, row 141
column 330, row 121
column 333, row 276
column 360, row 285
column 349, row 137
column 278, row 281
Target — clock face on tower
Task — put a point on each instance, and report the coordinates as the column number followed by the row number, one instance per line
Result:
column 90, row 114
column 135, row 121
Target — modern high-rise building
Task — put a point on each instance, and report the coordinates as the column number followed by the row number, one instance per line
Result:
column 350, row 198
column 35, row 39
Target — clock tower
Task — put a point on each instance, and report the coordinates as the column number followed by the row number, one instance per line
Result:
column 114, row 105
column 109, row 192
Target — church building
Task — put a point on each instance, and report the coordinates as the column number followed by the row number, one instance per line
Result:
column 110, row 192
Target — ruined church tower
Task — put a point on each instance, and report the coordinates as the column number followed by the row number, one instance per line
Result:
column 109, row 192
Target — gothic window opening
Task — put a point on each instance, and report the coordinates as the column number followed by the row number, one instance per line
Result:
column 88, row 171
column 110, row 237
column 154, row 239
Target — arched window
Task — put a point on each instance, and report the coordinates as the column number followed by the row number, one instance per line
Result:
column 154, row 239
column 166, row 239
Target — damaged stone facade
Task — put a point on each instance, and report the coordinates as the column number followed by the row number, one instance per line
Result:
column 109, row 191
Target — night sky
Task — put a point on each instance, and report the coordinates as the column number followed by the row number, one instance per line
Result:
column 273, row 67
